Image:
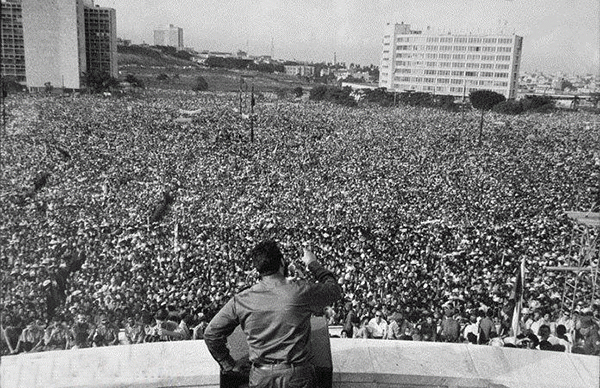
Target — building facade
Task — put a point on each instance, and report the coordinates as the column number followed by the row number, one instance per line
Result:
column 101, row 40
column 169, row 36
column 449, row 64
column 300, row 70
column 55, row 42
column 12, row 57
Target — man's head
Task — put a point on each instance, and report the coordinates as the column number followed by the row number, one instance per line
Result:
column 267, row 258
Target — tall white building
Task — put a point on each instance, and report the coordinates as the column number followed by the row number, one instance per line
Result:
column 449, row 64
column 63, row 39
column 169, row 36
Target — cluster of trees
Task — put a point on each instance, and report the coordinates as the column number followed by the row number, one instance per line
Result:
column 172, row 51
column 243, row 64
column 333, row 94
column 99, row 82
column 529, row 103
column 139, row 50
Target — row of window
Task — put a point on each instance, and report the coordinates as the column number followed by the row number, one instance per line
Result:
column 441, row 89
column 486, row 74
column 470, row 65
column 500, row 49
column 459, row 57
column 451, row 39
column 454, row 81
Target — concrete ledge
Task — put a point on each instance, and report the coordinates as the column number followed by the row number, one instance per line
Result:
column 356, row 363
column 376, row 363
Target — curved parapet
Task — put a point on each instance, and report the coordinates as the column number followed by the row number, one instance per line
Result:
column 356, row 363
column 376, row 363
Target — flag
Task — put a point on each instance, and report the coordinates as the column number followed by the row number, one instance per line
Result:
column 518, row 299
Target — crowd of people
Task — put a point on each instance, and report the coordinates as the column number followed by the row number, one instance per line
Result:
column 424, row 227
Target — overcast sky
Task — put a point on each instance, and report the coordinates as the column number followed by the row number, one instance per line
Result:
column 559, row 35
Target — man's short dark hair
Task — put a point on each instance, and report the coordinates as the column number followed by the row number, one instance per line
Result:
column 266, row 257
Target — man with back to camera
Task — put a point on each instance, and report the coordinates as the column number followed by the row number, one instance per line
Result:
column 275, row 316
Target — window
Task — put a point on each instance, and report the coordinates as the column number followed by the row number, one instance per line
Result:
column 505, row 40
column 431, row 64
column 489, row 40
column 440, row 89
column 501, row 75
column 432, row 39
column 455, row 81
column 431, row 48
column 431, row 56
column 473, row 57
column 443, row 80
column 473, row 65
column 474, row 40
column 489, row 49
column 458, row 64
column 488, row 58
column 445, row 56
column 458, row 56
column 460, row 48
column 430, row 72
column 471, row 74
column 459, row 73
column 502, row 66
column 503, row 57
column 460, row 40
column 448, row 39
column 504, row 49
column 444, row 72
column 445, row 64
column 429, row 80
column 445, row 48
column 474, row 48
column 487, row 74
column 418, row 79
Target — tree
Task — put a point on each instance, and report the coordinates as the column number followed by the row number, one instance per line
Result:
column 484, row 100
column 162, row 77
column 200, row 85
column 99, row 81
column 298, row 91
column 48, row 88
column 134, row 81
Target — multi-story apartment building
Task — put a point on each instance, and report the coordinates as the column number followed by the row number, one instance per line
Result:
column 101, row 40
column 300, row 70
column 57, row 41
column 169, row 36
column 449, row 64
column 13, row 51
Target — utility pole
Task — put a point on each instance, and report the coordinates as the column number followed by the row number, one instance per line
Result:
column 252, row 102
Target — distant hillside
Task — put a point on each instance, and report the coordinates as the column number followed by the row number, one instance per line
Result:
column 147, row 56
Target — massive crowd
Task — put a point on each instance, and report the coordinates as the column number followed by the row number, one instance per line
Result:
column 425, row 228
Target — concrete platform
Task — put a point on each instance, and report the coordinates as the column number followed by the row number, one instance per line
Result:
column 356, row 363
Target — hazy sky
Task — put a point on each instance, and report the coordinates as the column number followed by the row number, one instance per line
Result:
column 559, row 35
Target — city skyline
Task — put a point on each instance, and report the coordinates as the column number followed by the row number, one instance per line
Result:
column 558, row 36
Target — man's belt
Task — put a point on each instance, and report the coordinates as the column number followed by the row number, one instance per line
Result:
column 277, row 364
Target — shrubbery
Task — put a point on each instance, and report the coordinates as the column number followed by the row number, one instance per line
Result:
column 379, row 96
column 333, row 94
column 134, row 81
column 538, row 103
column 510, row 107
column 200, row 85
